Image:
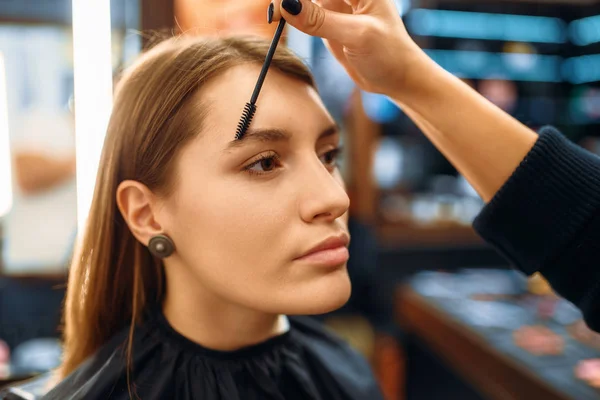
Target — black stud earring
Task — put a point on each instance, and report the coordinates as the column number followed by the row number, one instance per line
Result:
column 161, row 246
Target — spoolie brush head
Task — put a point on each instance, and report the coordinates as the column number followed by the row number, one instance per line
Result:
column 247, row 115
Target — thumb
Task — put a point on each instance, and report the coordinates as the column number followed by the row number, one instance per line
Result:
column 314, row 20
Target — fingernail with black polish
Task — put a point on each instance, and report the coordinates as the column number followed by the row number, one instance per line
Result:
column 270, row 12
column 292, row 6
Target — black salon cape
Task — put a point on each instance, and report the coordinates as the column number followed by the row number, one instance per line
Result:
column 307, row 362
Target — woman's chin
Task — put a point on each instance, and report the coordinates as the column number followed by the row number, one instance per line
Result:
column 320, row 298
column 332, row 304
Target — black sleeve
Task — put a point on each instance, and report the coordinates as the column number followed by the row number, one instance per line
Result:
column 546, row 219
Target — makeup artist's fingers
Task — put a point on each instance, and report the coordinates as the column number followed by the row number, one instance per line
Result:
column 335, row 47
column 342, row 6
column 274, row 11
column 315, row 20
column 366, row 36
column 337, row 50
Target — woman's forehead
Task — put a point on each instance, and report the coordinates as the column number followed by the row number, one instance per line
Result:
column 284, row 102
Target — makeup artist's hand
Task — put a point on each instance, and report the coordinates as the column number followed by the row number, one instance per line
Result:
column 366, row 36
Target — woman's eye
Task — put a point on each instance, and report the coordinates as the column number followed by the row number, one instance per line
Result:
column 331, row 158
column 264, row 165
column 269, row 163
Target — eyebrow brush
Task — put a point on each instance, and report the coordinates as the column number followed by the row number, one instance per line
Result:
column 250, row 108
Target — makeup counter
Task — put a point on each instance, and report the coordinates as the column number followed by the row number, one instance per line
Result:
column 505, row 336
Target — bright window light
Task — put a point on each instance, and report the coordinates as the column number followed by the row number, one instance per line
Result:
column 93, row 93
column 5, row 159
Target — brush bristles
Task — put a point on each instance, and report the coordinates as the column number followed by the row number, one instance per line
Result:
column 247, row 115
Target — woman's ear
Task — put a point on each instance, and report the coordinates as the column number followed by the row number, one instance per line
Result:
column 138, row 207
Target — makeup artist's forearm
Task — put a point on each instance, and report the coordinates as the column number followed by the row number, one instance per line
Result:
column 484, row 143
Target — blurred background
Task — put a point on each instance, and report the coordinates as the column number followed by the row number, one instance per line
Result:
column 437, row 312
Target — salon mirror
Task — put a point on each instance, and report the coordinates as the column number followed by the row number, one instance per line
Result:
column 38, row 185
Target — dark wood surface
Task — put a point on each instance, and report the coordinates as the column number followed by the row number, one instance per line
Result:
column 495, row 375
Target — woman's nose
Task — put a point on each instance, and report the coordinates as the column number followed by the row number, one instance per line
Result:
column 323, row 195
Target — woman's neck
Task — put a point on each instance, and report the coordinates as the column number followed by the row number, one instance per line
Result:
column 204, row 318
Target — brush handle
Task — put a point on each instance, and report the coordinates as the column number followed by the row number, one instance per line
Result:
column 267, row 63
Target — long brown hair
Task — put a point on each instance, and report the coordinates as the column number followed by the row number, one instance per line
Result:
column 113, row 278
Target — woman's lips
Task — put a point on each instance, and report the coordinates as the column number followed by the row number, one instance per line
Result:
column 330, row 257
column 330, row 252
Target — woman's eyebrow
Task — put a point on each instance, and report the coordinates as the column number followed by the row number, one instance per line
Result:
column 260, row 135
column 273, row 135
column 330, row 131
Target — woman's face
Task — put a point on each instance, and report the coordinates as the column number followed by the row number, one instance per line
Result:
column 242, row 215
